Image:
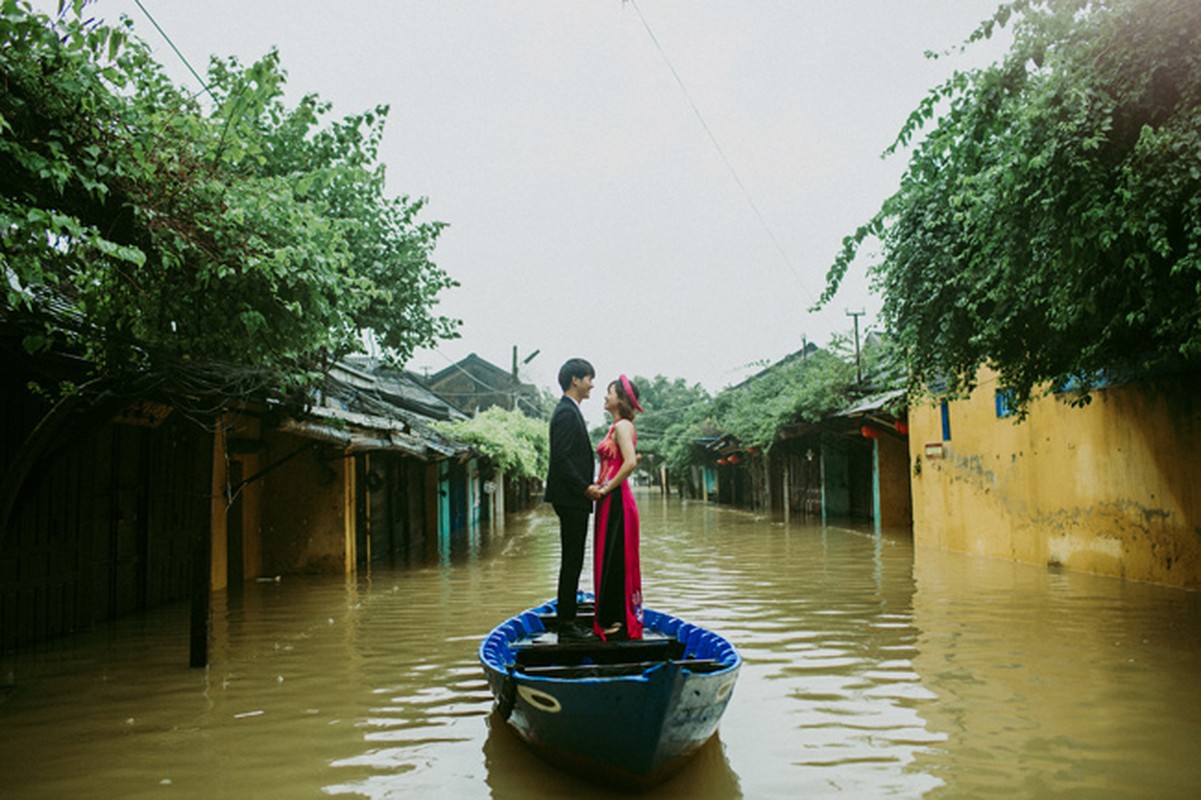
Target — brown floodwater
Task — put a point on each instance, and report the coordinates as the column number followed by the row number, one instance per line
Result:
column 872, row 669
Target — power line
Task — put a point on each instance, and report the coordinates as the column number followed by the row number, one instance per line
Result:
column 721, row 153
column 203, row 86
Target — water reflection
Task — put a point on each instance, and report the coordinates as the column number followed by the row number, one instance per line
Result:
column 871, row 670
column 824, row 621
column 1057, row 683
column 511, row 765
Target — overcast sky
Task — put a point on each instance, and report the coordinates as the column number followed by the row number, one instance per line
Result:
column 657, row 186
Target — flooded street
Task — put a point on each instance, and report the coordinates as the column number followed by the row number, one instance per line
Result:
column 871, row 670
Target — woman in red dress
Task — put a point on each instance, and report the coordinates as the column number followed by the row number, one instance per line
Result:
column 616, row 572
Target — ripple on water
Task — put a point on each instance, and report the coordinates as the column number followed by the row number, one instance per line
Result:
column 871, row 670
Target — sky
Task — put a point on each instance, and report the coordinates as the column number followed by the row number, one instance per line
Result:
column 658, row 186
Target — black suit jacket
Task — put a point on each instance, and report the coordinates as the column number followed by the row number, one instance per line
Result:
column 571, row 460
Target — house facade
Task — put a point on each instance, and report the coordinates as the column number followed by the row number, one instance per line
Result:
column 849, row 467
column 473, row 384
column 1107, row 488
column 124, row 504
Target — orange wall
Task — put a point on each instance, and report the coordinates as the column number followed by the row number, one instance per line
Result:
column 1109, row 488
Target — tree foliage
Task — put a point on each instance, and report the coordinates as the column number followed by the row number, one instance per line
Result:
column 515, row 443
column 1049, row 223
column 146, row 231
column 802, row 388
column 681, row 445
column 806, row 386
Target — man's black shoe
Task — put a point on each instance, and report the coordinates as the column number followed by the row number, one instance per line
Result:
column 573, row 632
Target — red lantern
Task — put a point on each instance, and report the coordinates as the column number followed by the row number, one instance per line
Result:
column 721, row 462
column 869, row 432
column 902, row 427
column 735, row 459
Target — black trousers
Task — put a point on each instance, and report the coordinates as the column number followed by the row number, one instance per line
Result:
column 573, row 534
column 611, row 594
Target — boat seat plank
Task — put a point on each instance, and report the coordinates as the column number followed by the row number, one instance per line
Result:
column 546, row 641
column 549, row 652
column 625, row 668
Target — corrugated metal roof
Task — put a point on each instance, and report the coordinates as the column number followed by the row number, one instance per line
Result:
column 870, row 404
column 357, row 432
column 361, row 411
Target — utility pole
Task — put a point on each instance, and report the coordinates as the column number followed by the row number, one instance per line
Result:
column 513, row 387
column 858, row 368
column 517, row 381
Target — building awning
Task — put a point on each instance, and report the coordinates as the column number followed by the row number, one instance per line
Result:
column 362, row 433
column 871, row 417
column 871, row 405
column 846, row 422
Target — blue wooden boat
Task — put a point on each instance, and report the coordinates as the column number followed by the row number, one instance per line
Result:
column 623, row 712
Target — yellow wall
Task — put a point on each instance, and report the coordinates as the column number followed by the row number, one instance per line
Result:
column 307, row 508
column 1109, row 488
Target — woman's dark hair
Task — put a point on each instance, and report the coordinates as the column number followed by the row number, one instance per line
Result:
column 625, row 409
column 574, row 368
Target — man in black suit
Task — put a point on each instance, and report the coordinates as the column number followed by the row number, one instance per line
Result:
column 570, row 487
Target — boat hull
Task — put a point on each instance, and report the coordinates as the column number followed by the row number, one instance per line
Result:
column 627, row 712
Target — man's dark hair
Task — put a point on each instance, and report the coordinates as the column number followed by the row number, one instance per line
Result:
column 574, row 368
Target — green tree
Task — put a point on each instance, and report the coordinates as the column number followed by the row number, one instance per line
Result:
column 1049, row 224
column 803, row 387
column 155, row 237
column 681, row 445
column 515, row 443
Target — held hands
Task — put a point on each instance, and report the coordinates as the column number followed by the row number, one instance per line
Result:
column 597, row 492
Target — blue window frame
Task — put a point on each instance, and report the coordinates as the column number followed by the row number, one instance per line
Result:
column 945, row 410
column 1004, row 401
